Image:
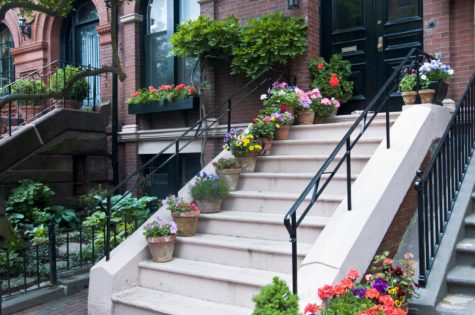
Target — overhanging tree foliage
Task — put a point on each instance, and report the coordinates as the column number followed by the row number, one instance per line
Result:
column 61, row 8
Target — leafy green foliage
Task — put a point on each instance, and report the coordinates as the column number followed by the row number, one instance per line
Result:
column 226, row 164
column 62, row 76
column 276, row 299
column 203, row 36
column 25, row 86
column 90, row 200
column 264, row 127
column 209, row 187
column 266, row 41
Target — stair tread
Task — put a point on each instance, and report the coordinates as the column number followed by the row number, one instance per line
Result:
column 466, row 245
column 168, row 303
column 292, row 175
column 220, row 272
column 282, row 195
column 243, row 243
column 457, row 304
column 324, row 141
column 462, row 274
column 270, row 218
column 330, row 125
column 310, row 157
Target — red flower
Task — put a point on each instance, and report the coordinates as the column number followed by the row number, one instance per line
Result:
column 283, row 108
column 179, row 87
column 311, row 308
column 339, row 290
column 166, row 87
column 254, row 121
column 347, row 283
column 372, row 294
column 353, row 274
column 152, row 89
column 137, row 93
column 192, row 90
column 326, row 292
column 320, row 66
column 387, row 300
column 334, row 81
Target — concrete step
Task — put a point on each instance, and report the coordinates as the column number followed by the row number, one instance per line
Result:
column 266, row 226
column 456, row 304
column 290, row 182
column 466, row 252
column 279, row 202
column 461, row 280
column 352, row 117
column 143, row 301
column 321, row 147
column 335, row 131
column 306, row 163
column 240, row 251
column 470, row 226
column 207, row 281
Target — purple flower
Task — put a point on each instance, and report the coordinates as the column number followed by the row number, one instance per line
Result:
column 380, row 285
column 173, row 227
column 359, row 292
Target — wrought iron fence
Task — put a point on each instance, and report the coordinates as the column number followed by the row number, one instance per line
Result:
column 438, row 186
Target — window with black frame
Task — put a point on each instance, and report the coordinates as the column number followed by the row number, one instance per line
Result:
column 162, row 18
column 6, row 59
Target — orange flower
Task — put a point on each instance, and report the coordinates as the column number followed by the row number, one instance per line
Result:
column 353, row 274
column 339, row 290
column 347, row 283
column 387, row 300
column 388, row 261
column 326, row 292
column 311, row 308
column 372, row 294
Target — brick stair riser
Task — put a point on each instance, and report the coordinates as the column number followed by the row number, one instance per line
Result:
column 296, row 148
column 273, row 232
column 287, row 184
column 291, row 165
column 124, row 309
column 203, row 288
column 336, row 133
column 272, row 205
column 247, row 258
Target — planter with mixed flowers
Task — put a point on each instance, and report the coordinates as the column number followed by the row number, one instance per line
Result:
column 228, row 170
column 244, row 147
column 304, row 111
column 263, row 128
column 209, row 191
column 285, row 120
column 385, row 291
column 280, row 94
column 161, row 238
column 185, row 214
column 426, row 94
column 438, row 74
column 164, row 98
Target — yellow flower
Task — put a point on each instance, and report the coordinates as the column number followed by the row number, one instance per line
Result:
column 398, row 303
column 272, row 119
column 392, row 290
column 251, row 136
column 251, row 148
column 258, row 147
column 244, row 144
column 277, row 125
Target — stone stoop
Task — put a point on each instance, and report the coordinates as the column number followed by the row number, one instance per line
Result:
column 461, row 278
column 240, row 249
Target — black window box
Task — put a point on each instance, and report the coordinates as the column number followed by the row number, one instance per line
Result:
column 165, row 106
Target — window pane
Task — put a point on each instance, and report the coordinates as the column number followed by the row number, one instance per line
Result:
column 157, row 16
column 158, row 51
column 6, row 61
column 348, row 13
column 399, row 9
column 189, row 10
column 87, row 12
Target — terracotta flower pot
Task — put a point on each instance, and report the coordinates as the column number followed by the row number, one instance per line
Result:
column 230, row 177
column 409, row 97
column 186, row 222
column 68, row 104
column 266, row 144
column 30, row 112
column 161, row 248
column 247, row 162
column 305, row 117
column 291, row 109
column 427, row 96
column 209, row 206
column 282, row 133
column 319, row 120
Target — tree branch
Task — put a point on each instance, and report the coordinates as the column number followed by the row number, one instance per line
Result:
column 57, row 8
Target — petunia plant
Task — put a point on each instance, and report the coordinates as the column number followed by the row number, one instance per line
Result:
column 160, row 228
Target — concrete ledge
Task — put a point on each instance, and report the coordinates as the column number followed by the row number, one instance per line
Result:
column 351, row 238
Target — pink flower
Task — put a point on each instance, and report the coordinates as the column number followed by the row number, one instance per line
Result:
column 326, row 101
column 267, row 119
column 353, row 274
column 166, row 87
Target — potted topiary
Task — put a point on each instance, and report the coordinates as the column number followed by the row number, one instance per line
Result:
column 209, row 192
column 80, row 90
column 407, row 86
column 185, row 214
column 161, row 238
column 29, row 108
column 228, row 170
column 244, row 147
column 263, row 128
column 438, row 74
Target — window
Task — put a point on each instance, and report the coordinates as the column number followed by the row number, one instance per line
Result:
column 162, row 17
column 6, row 60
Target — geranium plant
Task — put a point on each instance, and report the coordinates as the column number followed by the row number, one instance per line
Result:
column 178, row 205
column 168, row 92
column 209, row 187
column 436, row 71
column 325, row 106
column 160, row 228
column 227, row 164
column 241, row 143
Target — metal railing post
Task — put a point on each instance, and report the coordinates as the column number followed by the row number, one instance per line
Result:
column 229, row 114
column 177, row 168
column 348, row 172
column 52, row 252
column 108, row 228
column 293, row 239
column 420, row 227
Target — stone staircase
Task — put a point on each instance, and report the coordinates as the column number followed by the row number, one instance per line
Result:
column 240, row 249
column 461, row 278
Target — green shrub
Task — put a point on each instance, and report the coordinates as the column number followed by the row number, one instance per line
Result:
column 209, row 187
column 266, row 41
column 25, row 86
column 58, row 81
column 276, row 299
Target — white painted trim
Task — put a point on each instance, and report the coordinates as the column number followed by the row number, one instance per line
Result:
column 132, row 17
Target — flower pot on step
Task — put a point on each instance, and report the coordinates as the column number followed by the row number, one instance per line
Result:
column 68, row 104
column 266, row 144
column 409, row 97
column 427, row 96
column 209, row 206
column 319, row 120
column 247, row 162
column 282, row 133
column 441, row 89
column 161, row 248
column 291, row 109
column 230, row 177
column 305, row 117
column 186, row 222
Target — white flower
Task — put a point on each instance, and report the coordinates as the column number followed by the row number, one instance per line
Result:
column 281, row 93
column 263, row 97
column 423, row 77
column 451, row 71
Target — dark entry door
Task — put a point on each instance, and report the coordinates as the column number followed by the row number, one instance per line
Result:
column 374, row 35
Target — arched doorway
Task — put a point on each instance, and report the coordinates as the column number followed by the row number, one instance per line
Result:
column 7, row 74
column 80, row 43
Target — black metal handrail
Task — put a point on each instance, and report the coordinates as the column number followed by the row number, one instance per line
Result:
column 20, row 115
column 439, row 184
column 381, row 99
column 196, row 131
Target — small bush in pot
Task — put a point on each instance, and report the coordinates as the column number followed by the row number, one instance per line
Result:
column 324, row 107
column 276, row 299
column 426, row 94
column 29, row 108
column 185, row 214
column 228, row 170
column 60, row 79
column 161, row 238
column 407, row 86
column 209, row 192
